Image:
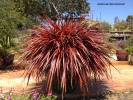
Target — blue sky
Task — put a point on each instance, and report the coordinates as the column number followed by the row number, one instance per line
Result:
column 109, row 9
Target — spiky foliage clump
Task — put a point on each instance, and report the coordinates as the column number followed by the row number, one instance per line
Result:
column 65, row 51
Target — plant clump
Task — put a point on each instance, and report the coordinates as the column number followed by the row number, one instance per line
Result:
column 66, row 51
column 11, row 95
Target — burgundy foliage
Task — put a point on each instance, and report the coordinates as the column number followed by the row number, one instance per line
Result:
column 66, row 51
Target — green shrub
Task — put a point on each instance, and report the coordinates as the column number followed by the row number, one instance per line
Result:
column 130, row 50
column 10, row 20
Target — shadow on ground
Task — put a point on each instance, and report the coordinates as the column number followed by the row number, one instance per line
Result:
column 97, row 90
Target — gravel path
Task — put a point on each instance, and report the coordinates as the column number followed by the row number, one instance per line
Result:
column 14, row 79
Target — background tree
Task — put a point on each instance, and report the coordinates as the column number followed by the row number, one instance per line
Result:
column 116, row 19
column 121, row 25
column 10, row 18
column 54, row 8
column 105, row 26
column 129, row 20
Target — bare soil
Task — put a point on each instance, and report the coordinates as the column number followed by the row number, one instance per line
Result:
column 118, row 87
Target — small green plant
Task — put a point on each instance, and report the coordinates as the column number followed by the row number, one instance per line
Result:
column 130, row 41
column 130, row 50
column 6, row 40
column 28, row 97
column 25, row 96
column 18, row 97
column 3, row 52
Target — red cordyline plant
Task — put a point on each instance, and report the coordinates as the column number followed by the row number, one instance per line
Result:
column 65, row 51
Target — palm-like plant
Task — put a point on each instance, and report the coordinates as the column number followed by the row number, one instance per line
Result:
column 65, row 51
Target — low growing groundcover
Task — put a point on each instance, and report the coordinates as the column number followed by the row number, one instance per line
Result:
column 26, row 96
